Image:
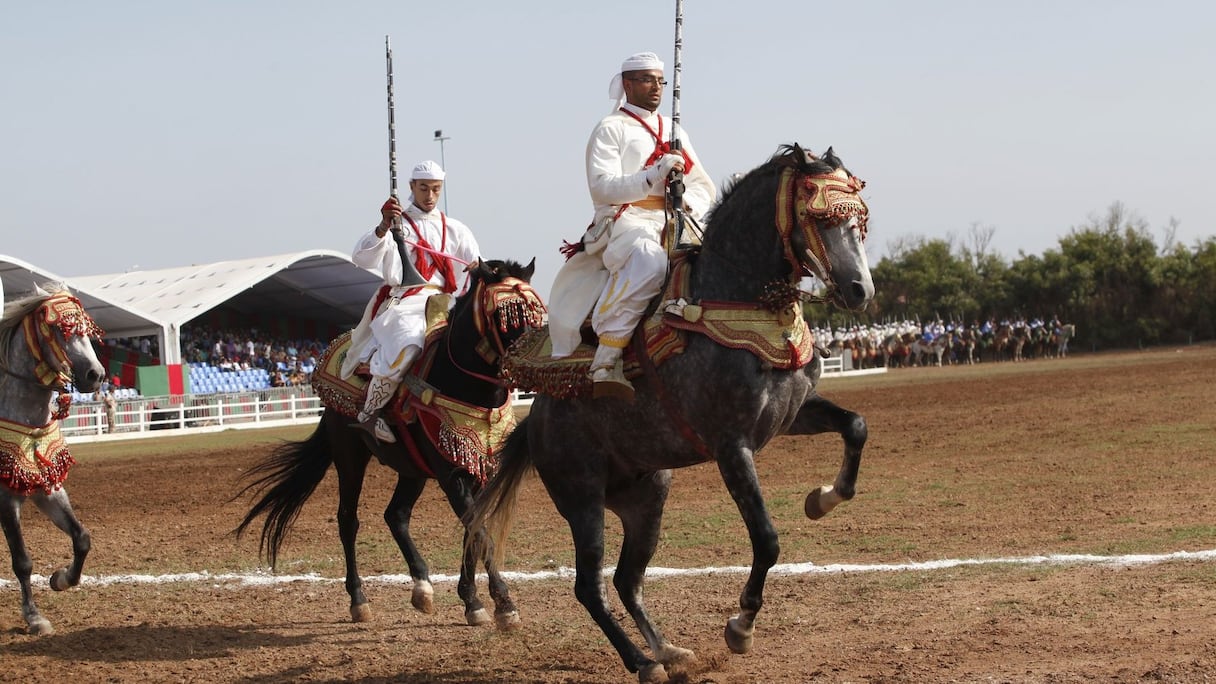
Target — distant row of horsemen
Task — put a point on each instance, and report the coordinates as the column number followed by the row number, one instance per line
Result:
column 909, row 343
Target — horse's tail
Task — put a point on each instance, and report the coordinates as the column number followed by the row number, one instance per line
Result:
column 285, row 480
column 494, row 507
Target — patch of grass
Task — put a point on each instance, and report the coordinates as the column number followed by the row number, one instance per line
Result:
column 1206, row 533
column 212, row 441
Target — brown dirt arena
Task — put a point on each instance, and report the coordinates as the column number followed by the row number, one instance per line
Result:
column 1110, row 455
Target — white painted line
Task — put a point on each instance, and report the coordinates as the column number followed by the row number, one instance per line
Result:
column 262, row 578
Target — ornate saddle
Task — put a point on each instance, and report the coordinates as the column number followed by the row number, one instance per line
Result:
column 467, row 436
column 779, row 338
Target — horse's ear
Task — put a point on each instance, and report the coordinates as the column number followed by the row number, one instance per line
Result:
column 483, row 271
column 801, row 156
column 831, row 158
column 529, row 270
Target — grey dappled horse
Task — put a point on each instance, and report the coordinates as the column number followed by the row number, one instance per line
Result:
column 710, row 403
column 44, row 344
column 499, row 306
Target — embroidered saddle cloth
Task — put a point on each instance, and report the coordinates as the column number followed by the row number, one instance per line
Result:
column 780, row 339
column 468, row 436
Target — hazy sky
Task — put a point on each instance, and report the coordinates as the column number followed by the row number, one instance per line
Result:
column 155, row 134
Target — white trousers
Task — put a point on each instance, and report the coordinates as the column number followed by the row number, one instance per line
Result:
column 398, row 333
column 637, row 265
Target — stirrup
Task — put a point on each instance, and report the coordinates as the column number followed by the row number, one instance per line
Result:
column 611, row 383
column 377, row 428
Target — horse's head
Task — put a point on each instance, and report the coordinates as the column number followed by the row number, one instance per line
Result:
column 504, row 305
column 823, row 222
column 820, row 219
column 58, row 336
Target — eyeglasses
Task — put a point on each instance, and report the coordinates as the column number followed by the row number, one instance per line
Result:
column 648, row 80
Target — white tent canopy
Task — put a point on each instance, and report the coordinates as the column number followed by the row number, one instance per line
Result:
column 319, row 285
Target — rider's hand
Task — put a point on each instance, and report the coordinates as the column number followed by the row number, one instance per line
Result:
column 390, row 212
column 664, row 166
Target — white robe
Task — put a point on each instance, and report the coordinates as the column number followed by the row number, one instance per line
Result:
column 391, row 341
column 629, row 271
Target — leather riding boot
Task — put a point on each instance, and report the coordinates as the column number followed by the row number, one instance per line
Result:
column 379, row 391
column 608, row 374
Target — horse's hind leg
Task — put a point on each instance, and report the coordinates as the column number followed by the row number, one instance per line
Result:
column 640, row 508
column 351, row 468
column 10, row 520
column 584, row 510
column 818, row 415
column 58, row 508
column 397, row 516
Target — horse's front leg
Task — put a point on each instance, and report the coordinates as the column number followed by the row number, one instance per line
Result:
column 818, row 415
column 58, row 508
column 739, row 473
column 10, row 520
column 458, row 486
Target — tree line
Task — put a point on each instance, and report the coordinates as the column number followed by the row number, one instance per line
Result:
column 1108, row 276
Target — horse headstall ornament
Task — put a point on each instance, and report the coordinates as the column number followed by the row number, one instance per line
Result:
column 65, row 312
column 515, row 305
column 806, row 202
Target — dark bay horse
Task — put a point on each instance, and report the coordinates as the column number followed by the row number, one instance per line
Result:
column 498, row 307
column 710, row 403
column 45, row 344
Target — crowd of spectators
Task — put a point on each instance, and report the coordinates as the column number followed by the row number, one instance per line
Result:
column 288, row 362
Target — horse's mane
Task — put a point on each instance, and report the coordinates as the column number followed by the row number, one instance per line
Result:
column 17, row 309
column 502, row 269
column 786, row 155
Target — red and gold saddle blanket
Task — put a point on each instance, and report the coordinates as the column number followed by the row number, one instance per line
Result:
column 468, row 436
column 780, row 339
column 33, row 458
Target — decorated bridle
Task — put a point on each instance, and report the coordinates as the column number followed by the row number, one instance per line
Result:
column 806, row 202
column 517, row 306
column 52, row 367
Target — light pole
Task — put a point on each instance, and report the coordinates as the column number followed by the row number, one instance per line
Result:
column 440, row 137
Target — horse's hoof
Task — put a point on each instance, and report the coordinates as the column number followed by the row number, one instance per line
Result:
column 361, row 613
column 422, row 598
column 679, row 659
column 40, row 626
column 653, row 673
column 508, row 620
column 738, row 639
column 820, row 501
column 59, row 580
column 477, row 618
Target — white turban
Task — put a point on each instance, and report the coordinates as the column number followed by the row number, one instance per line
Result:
column 427, row 170
column 642, row 61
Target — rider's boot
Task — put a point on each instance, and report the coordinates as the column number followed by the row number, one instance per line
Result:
column 379, row 391
column 608, row 374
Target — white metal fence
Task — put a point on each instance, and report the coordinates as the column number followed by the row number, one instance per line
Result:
column 261, row 408
column 147, row 416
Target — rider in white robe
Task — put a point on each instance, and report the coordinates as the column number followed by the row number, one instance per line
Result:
column 390, row 336
column 622, row 268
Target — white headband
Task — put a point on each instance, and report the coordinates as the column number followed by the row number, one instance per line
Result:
column 427, row 170
column 642, row 61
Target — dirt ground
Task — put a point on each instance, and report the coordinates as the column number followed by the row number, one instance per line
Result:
column 1109, row 455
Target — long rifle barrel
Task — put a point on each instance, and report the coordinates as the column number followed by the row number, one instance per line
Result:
column 392, row 123
column 409, row 273
column 675, row 185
